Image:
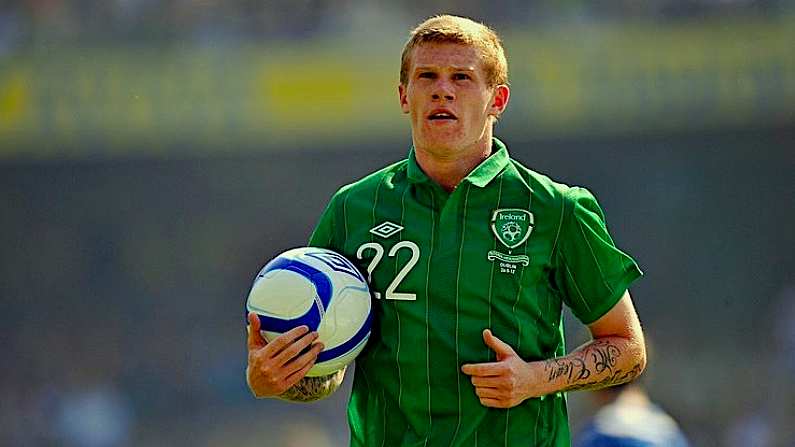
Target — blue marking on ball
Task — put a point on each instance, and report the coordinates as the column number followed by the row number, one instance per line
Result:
column 315, row 313
column 354, row 341
column 337, row 262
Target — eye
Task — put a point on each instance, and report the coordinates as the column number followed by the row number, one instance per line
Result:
column 461, row 76
column 427, row 75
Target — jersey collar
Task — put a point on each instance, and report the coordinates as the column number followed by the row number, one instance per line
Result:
column 481, row 176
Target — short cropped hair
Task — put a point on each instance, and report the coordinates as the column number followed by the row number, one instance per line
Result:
column 464, row 31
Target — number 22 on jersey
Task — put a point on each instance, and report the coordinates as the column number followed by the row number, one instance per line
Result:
column 391, row 294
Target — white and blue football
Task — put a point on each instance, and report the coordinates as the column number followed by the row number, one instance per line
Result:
column 318, row 288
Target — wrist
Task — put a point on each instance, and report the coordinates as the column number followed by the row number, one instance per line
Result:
column 539, row 386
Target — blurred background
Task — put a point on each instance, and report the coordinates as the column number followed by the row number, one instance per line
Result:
column 155, row 153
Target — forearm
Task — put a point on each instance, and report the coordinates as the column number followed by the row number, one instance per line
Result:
column 310, row 389
column 600, row 363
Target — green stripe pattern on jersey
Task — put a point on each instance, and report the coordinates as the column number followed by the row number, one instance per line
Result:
column 443, row 267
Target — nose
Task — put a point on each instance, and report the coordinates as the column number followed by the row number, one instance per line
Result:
column 443, row 89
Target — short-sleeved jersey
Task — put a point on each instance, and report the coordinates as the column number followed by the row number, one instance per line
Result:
column 504, row 250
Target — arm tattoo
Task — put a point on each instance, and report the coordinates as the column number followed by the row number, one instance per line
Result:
column 586, row 369
column 310, row 389
column 574, row 369
column 603, row 354
column 616, row 378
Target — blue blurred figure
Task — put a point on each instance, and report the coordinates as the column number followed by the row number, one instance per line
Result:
column 628, row 418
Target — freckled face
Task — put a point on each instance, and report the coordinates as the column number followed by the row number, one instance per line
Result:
column 448, row 100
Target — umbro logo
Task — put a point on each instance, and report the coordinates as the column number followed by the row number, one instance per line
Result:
column 386, row 229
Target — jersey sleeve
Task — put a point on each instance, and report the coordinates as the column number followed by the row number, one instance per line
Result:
column 323, row 234
column 591, row 273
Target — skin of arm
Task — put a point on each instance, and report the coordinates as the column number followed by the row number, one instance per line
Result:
column 615, row 355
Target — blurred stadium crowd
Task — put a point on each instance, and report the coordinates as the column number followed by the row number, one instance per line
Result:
column 94, row 21
column 122, row 280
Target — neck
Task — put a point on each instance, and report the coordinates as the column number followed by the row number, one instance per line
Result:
column 448, row 167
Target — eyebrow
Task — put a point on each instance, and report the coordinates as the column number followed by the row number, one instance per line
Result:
column 435, row 67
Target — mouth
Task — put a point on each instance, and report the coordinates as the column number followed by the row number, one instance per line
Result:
column 443, row 115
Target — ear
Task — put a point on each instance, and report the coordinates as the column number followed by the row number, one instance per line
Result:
column 402, row 93
column 501, row 96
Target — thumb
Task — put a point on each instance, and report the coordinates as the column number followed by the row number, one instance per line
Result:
column 255, row 339
column 502, row 349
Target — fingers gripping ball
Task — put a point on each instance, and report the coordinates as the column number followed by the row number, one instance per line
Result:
column 318, row 288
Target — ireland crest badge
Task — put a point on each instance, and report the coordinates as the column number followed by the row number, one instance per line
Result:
column 512, row 226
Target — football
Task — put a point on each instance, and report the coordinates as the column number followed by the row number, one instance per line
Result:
column 318, row 288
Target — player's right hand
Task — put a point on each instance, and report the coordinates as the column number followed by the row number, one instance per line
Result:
column 274, row 367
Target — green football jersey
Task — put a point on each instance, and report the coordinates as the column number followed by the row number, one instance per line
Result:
column 505, row 250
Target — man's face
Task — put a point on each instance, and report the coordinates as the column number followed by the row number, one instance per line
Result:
column 448, row 99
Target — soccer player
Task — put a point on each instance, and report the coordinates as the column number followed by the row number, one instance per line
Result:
column 471, row 257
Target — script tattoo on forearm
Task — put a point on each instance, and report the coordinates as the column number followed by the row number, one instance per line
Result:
column 604, row 355
column 585, row 368
column 310, row 389
column 618, row 377
column 574, row 370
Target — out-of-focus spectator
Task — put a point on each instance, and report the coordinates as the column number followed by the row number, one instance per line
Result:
column 751, row 429
column 10, row 30
column 782, row 395
column 627, row 417
column 99, row 416
column 785, row 329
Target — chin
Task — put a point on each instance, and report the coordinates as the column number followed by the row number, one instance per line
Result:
column 445, row 145
column 442, row 140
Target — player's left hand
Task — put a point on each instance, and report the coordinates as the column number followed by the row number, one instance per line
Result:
column 502, row 384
